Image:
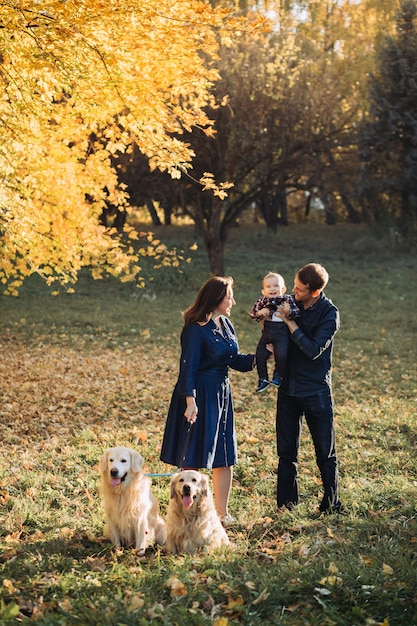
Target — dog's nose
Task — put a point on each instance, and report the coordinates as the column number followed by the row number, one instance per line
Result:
column 114, row 472
column 186, row 490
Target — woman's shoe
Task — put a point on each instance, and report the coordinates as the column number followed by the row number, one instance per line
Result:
column 227, row 520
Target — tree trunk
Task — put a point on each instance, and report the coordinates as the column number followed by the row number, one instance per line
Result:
column 213, row 234
column 154, row 215
column 282, row 206
column 215, row 251
column 354, row 217
column 327, row 200
column 268, row 208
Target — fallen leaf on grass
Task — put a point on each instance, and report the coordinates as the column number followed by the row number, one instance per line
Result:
column 176, row 586
column 96, row 564
column 136, row 602
column 250, row 585
column 331, row 580
column 262, row 597
column 233, row 604
column 9, row 586
column 65, row 605
column 366, row 560
column 13, row 537
column 303, row 550
column 322, row 591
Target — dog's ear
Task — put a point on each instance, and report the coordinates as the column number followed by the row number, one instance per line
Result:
column 137, row 461
column 103, row 462
column 172, row 489
column 204, row 482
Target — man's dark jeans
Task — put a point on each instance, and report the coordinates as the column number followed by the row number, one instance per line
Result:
column 318, row 412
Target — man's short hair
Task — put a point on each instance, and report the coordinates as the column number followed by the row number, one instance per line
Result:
column 314, row 275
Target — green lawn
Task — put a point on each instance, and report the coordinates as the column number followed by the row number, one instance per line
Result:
column 94, row 369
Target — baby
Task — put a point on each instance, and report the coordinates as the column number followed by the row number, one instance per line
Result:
column 274, row 330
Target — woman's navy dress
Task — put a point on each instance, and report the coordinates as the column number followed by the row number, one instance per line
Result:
column 206, row 356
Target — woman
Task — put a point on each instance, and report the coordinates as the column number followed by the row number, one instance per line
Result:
column 200, row 430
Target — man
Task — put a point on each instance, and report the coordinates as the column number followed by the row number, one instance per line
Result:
column 306, row 390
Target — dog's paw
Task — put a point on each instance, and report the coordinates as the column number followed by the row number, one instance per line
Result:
column 141, row 552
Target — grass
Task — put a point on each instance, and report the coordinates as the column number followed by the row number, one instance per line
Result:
column 93, row 369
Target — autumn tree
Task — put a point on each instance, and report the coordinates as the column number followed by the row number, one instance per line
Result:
column 389, row 134
column 338, row 39
column 249, row 97
column 289, row 105
column 79, row 81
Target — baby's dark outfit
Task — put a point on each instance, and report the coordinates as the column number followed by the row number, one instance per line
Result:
column 274, row 331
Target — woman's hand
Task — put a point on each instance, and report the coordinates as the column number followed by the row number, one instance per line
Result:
column 191, row 410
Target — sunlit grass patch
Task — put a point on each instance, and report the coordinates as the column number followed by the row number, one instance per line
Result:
column 87, row 372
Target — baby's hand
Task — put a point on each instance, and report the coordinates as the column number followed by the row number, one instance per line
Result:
column 284, row 310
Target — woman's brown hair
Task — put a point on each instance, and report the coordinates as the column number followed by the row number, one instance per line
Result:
column 210, row 295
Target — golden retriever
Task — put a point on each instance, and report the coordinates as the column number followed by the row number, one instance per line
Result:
column 192, row 521
column 132, row 511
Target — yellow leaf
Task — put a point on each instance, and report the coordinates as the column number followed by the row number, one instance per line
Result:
column 8, row 584
column 177, row 587
column 366, row 560
column 250, row 585
column 65, row 605
column 136, row 602
column 262, row 597
column 66, row 533
column 387, row 569
column 233, row 603
column 303, row 550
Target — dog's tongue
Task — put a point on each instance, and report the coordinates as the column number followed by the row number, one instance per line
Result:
column 187, row 501
column 115, row 482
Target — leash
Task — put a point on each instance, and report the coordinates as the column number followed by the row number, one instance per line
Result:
column 153, row 475
column 182, row 455
column 185, row 446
